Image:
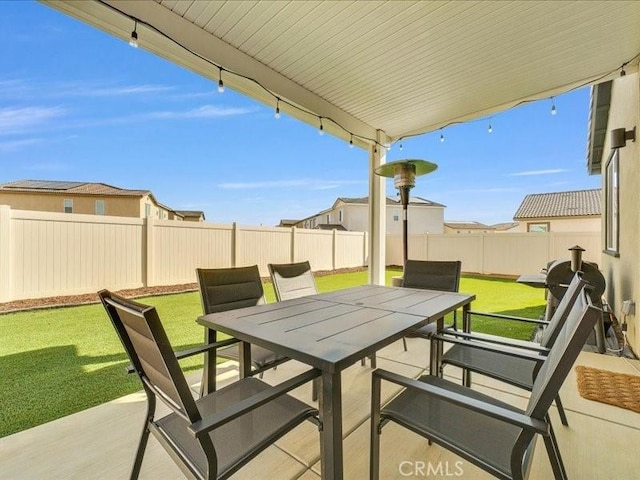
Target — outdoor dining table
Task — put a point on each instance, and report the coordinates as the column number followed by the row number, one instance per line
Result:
column 331, row 331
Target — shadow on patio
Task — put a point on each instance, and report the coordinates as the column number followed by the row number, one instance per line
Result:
column 99, row 443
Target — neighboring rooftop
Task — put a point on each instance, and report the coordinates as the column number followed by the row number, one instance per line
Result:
column 80, row 188
column 288, row 223
column 391, row 201
column 577, row 203
column 190, row 213
column 467, row 224
column 504, row 226
column 330, row 226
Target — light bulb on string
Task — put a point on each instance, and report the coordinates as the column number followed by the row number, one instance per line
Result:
column 400, row 147
column 351, row 141
column 220, row 82
column 442, row 138
column 321, row 130
column 490, row 129
column 133, row 41
column 553, row 107
column 622, row 71
column 277, row 114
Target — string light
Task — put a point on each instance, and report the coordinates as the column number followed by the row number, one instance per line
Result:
column 490, row 129
column 133, row 41
column 351, row 141
column 220, row 82
column 400, row 146
column 277, row 114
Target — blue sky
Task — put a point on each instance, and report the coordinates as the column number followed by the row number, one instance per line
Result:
column 77, row 104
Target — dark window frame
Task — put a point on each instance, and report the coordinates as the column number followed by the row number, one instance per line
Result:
column 612, row 204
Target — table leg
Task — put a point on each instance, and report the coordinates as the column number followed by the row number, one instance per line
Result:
column 330, row 406
column 245, row 359
column 208, row 383
column 435, row 350
column 466, row 327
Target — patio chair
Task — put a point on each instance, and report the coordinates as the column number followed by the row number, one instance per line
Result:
column 223, row 289
column 487, row 432
column 431, row 275
column 214, row 436
column 295, row 280
column 509, row 360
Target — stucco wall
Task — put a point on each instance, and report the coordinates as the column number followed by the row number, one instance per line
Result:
column 582, row 224
column 422, row 220
column 623, row 272
column 47, row 202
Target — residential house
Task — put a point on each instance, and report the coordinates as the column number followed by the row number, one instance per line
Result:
column 506, row 227
column 87, row 198
column 613, row 151
column 189, row 215
column 424, row 216
column 468, row 226
column 575, row 211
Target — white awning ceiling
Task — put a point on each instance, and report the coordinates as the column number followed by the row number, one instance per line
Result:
column 401, row 67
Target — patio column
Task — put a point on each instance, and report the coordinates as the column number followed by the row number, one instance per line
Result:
column 377, row 213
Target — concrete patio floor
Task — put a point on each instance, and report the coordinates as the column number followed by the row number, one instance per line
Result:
column 99, row 443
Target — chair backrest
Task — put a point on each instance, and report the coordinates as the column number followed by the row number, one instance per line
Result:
column 223, row 289
column 150, row 352
column 432, row 275
column 292, row 280
column 571, row 338
column 561, row 312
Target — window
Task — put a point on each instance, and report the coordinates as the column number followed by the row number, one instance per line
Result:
column 329, row 219
column 396, row 215
column 147, row 210
column 68, row 205
column 538, row 227
column 612, row 215
column 340, row 215
column 99, row 207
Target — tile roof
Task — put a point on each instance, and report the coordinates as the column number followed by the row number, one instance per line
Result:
column 579, row 203
column 504, row 226
column 79, row 188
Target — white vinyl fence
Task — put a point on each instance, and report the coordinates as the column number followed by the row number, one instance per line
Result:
column 46, row 254
column 496, row 253
column 49, row 254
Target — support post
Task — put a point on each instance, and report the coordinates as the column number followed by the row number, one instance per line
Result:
column 377, row 214
column 149, row 280
column 234, row 244
column 5, row 254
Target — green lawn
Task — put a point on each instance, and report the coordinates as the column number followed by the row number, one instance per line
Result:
column 59, row 361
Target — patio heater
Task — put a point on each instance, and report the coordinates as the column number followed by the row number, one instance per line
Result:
column 404, row 173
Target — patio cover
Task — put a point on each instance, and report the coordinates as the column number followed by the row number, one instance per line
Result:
column 378, row 71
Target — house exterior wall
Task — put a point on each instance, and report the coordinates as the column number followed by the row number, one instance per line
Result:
column 622, row 272
column 118, row 206
column 567, row 224
column 448, row 229
column 355, row 218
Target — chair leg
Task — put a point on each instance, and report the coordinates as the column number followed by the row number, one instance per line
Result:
column 551, row 444
column 561, row 412
column 363, row 362
column 314, row 390
column 144, row 437
column 404, row 342
column 374, row 363
column 374, row 453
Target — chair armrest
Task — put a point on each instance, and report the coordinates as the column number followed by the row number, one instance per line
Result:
column 481, row 345
column 204, row 348
column 507, row 317
column 218, row 419
column 494, row 411
column 196, row 350
column 497, row 340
